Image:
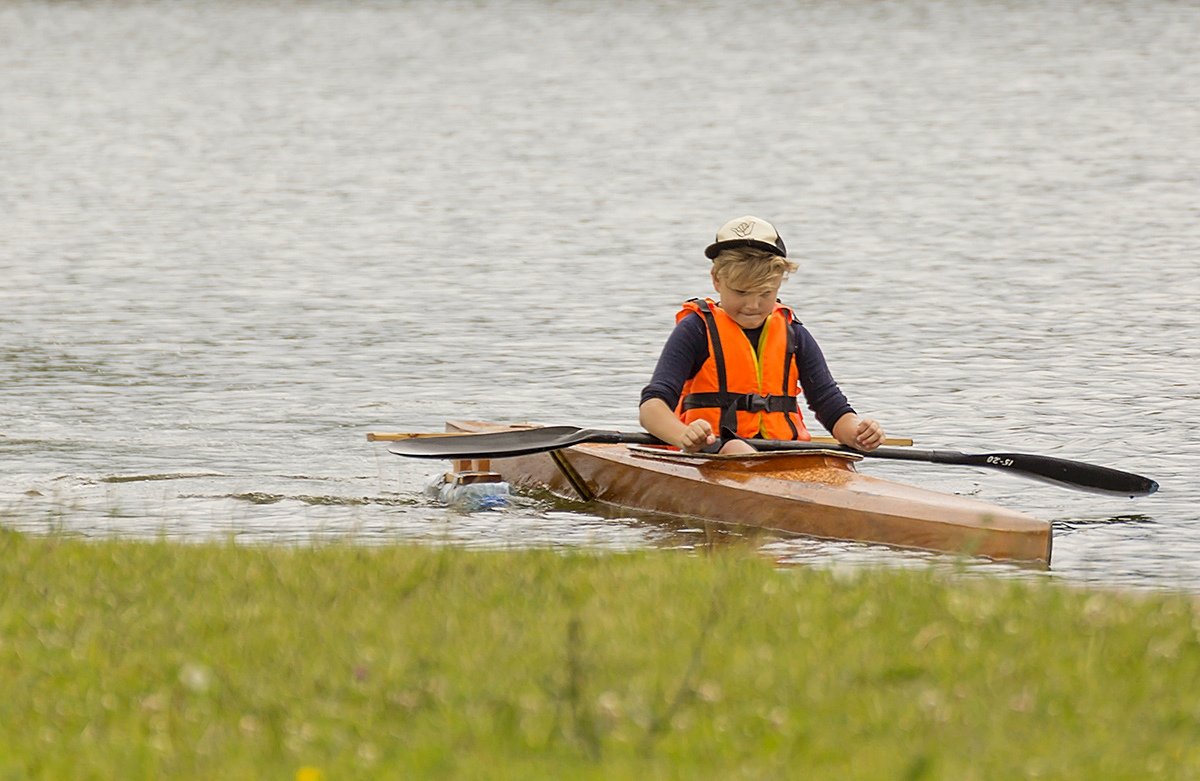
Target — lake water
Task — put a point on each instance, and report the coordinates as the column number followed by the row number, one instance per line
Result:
column 235, row 237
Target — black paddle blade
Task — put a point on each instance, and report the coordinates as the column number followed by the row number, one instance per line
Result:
column 517, row 442
column 1072, row 474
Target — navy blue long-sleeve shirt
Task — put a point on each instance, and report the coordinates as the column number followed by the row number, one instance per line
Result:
column 686, row 351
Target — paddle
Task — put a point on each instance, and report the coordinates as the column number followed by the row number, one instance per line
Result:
column 518, row 442
column 396, row 436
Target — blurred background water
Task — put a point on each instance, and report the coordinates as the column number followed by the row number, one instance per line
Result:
column 237, row 236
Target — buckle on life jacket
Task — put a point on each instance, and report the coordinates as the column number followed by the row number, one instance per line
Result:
column 753, row 402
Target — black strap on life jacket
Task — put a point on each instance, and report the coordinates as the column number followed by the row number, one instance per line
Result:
column 728, row 412
column 787, row 369
column 730, row 403
column 745, row 402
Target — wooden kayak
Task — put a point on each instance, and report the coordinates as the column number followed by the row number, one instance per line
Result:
column 812, row 493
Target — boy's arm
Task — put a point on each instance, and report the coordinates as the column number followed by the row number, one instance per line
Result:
column 821, row 391
column 660, row 420
column 685, row 350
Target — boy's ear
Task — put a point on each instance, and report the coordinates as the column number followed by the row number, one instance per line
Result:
column 716, row 282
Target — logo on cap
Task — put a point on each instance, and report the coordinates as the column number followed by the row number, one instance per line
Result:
column 744, row 229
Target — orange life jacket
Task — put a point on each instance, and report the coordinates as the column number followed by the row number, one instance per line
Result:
column 752, row 393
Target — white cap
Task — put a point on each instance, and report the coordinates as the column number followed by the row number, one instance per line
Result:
column 747, row 232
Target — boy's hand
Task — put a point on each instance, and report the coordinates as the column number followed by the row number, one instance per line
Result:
column 695, row 436
column 869, row 434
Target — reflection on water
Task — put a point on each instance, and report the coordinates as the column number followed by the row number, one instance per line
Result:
column 239, row 236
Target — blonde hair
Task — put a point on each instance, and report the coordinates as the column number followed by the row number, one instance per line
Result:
column 749, row 268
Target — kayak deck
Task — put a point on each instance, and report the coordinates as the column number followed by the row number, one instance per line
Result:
column 812, row 493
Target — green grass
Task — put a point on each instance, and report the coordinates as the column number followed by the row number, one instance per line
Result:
column 154, row 660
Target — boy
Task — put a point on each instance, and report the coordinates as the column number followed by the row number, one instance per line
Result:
column 733, row 370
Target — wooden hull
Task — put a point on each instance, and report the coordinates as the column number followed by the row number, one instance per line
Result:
column 813, row 493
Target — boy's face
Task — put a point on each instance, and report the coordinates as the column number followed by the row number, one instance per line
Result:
column 748, row 308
